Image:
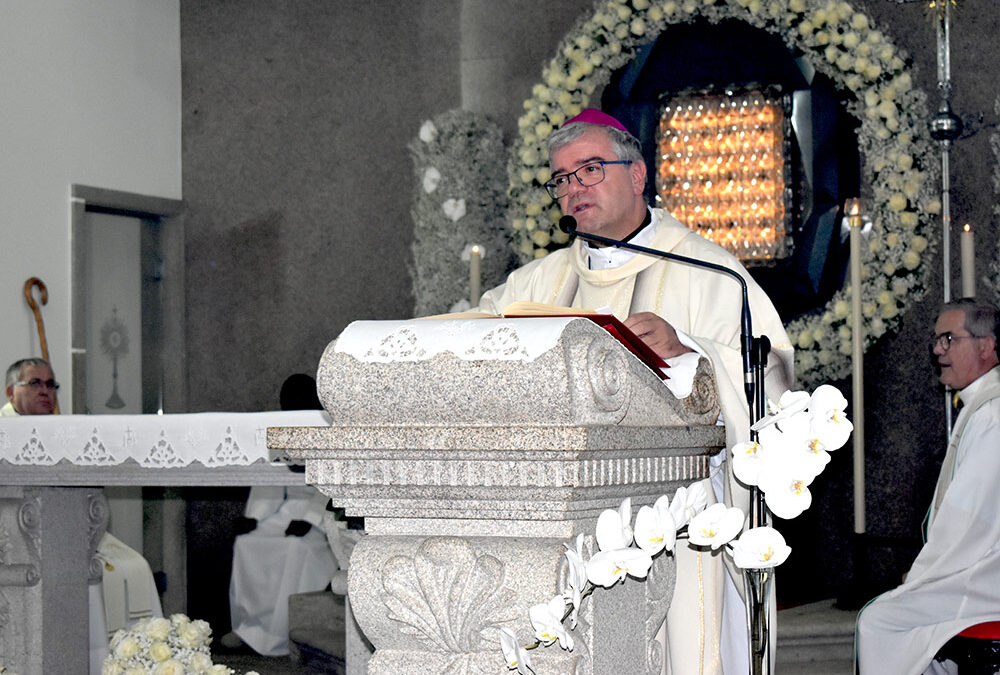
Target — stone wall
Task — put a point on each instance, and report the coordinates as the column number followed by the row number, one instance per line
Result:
column 297, row 184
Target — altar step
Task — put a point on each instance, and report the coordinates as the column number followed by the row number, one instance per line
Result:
column 815, row 639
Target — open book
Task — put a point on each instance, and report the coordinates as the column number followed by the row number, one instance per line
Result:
column 608, row 322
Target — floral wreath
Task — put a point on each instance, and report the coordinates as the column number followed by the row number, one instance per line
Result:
column 993, row 280
column 871, row 73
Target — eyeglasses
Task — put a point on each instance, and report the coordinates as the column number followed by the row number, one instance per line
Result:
column 588, row 175
column 944, row 340
column 37, row 383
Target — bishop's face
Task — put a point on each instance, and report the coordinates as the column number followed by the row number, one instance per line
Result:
column 963, row 358
column 614, row 207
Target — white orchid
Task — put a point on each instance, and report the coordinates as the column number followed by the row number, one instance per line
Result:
column 576, row 578
column 747, row 459
column 786, row 487
column 655, row 529
column 514, row 654
column 547, row 620
column 614, row 529
column 830, row 425
column 687, row 502
column 715, row 526
column 609, row 567
column 788, row 404
column 759, row 548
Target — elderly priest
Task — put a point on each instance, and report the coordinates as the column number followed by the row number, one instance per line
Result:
column 954, row 582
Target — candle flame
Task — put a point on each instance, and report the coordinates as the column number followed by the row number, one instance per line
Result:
column 967, row 228
column 475, row 250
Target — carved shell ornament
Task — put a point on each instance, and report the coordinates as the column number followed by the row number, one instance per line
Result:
column 448, row 596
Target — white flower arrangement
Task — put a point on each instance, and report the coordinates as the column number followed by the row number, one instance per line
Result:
column 797, row 430
column 159, row 646
column 843, row 43
column 993, row 280
column 460, row 200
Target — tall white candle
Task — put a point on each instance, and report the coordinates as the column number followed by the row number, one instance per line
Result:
column 853, row 210
column 968, row 263
column 475, row 276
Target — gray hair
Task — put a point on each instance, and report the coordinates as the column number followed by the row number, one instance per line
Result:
column 14, row 371
column 625, row 145
column 981, row 318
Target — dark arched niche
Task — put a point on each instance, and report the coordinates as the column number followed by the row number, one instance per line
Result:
column 703, row 57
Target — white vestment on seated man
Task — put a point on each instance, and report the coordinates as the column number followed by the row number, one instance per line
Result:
column 705, row 306
column 954, row 582
column 126, row 594
column 269, row 566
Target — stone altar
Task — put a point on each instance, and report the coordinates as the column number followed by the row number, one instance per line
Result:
column 475, row 450
column 53, row 512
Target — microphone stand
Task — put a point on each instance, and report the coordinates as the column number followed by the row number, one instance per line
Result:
column 758, row 583
column 753, row 350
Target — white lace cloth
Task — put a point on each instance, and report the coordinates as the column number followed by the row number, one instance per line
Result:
column 522, row 339
column 153, row 441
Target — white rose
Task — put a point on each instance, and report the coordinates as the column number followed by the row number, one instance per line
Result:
column 171, row 667
column 911, row 261
column 127, row 648
column 200, row 663
column 428, row 132
column 189, row 635
column 431, row 179
column 160, row 651
column 540, row 238
column 454, row 209
column 158, row 628
column 897, row 202
column 877, row 327
column 918, row 244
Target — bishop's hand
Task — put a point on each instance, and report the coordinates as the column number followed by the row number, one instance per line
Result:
column 657, row 333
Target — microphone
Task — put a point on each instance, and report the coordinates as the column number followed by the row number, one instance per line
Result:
column 754, row 390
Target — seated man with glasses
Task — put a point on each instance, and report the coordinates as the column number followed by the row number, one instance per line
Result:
column 954, row 583
column 31, row 388
column 598, row 176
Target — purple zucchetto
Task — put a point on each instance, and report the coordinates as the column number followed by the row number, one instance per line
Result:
column 599, row 117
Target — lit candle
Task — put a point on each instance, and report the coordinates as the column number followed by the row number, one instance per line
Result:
column 475, row 276
column 853, row 209
column 968, row 263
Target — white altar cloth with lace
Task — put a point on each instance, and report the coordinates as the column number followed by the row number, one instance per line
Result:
column 152, row 441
